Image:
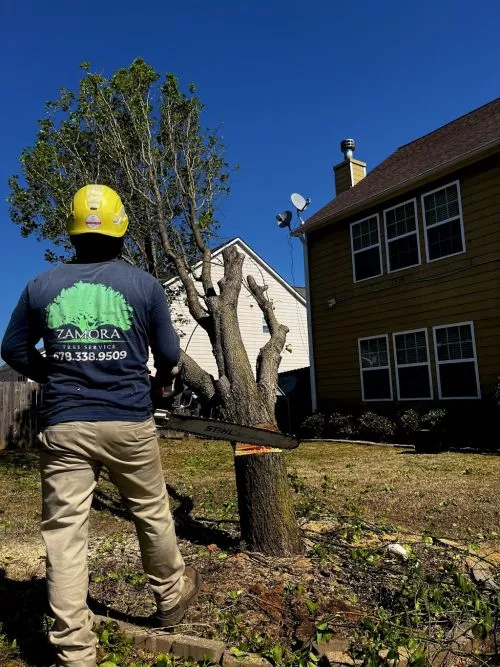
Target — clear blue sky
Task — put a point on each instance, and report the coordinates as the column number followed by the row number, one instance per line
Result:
column 284, row 80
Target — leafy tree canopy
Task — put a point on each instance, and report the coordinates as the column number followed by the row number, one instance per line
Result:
column 137, row 132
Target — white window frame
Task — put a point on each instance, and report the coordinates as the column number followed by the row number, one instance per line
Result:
column 443, row 222
column 355, row 252
column 378, row 368
column 428, row 364
column 456, row 361
column 401, row 236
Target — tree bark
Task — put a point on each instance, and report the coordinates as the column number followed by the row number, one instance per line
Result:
column 267, row 519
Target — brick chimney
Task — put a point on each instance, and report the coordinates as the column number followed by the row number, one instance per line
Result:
column 350, row 171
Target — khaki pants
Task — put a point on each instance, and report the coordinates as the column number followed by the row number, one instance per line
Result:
column 71, row 458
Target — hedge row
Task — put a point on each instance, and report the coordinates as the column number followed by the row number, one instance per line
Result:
column 372, row 426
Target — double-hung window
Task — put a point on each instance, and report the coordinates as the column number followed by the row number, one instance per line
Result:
column 401, row 236
column 456, row 361
column 443, row 222
column 365, row 245
column 375, row 369
column 413, row 371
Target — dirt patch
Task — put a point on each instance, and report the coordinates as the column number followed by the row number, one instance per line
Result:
column 23, row 560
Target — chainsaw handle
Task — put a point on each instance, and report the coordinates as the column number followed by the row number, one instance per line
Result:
column 164, row 395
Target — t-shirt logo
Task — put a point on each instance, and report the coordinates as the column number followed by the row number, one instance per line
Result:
column 89, row 313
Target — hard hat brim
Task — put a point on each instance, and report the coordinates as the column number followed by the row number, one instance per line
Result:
column 118, row 234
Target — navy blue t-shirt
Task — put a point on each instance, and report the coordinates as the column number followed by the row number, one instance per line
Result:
column 97, row 321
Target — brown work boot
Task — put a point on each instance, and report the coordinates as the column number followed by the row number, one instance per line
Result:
column 166, row 617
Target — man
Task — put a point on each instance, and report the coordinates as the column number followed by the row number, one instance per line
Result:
column 97, row 317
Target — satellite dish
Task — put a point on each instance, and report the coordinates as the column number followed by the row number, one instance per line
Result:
column 288, row 384
column 284, row 219
column 299, row 201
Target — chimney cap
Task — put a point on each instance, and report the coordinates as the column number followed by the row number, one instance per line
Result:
column 347, row 146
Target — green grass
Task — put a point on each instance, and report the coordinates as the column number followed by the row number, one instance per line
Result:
column 367, row 495
column 452, row 494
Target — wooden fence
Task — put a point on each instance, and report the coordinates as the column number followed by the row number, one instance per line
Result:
column 19, row 403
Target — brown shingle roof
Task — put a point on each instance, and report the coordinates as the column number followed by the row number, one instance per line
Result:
column 443, row 146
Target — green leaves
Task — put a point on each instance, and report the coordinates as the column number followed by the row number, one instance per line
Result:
column 137, row 132
column 463, row 583
column 277, row 654
column 323, row 632
column 312, row 606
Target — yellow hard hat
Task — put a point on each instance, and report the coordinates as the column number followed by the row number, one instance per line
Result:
column 97, row 209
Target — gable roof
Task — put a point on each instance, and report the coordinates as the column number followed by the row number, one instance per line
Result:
column 301, row 290
column 468, row 138
column 216, row 252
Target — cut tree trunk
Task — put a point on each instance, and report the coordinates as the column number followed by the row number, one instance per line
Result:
column 267, row 519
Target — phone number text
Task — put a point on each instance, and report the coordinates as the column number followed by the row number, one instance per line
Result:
column 90, row 356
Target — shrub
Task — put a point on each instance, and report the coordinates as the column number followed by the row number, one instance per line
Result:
column 375, row 427
column 434, row 419
column 409, row 420
column 343, row 426
column 313, row 426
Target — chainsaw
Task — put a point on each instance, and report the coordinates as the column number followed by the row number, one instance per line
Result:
column 177, row 418
column 221, row 430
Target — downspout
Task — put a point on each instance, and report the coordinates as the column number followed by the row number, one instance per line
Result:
column 312, row 368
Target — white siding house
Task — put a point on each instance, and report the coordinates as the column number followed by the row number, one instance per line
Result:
column 289, row 305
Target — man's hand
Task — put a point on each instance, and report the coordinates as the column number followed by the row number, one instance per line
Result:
column 164, row 390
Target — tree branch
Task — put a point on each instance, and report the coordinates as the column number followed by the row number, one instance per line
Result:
column 196, row 378
column 206, row 271
column 229, row 342
column 230, row 284
column 269, row 357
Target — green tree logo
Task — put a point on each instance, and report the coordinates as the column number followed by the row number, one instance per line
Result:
column 88, row 306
